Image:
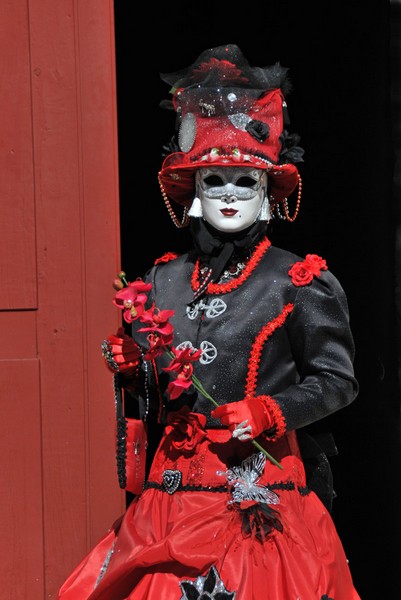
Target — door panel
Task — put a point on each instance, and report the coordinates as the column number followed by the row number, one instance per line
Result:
column 59, row 252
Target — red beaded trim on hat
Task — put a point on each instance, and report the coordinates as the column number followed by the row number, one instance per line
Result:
column 254, row 363
column 224, row 288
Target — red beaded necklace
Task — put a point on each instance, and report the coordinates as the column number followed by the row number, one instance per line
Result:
column 224, row 288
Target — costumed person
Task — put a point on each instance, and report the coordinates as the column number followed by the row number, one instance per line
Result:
column 236, row 347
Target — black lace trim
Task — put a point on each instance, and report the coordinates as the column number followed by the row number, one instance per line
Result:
column 186, row 488
column 288, row 486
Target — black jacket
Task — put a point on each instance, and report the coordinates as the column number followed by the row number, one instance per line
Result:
column 306, row 364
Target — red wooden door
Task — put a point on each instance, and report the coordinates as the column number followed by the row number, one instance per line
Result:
column 59, row 252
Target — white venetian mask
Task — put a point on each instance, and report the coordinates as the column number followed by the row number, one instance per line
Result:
column 231, row 198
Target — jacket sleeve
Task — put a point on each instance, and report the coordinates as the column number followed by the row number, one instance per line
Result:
column 323, row 349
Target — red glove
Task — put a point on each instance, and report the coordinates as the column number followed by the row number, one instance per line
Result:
column 248, row 418
column 122, row 354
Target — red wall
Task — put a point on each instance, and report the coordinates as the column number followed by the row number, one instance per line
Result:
column 59, row 252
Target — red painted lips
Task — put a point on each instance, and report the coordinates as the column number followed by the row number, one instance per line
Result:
column 228, row 212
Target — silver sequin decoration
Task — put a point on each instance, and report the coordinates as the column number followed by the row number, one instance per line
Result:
column 244, row 478
column 187, row 132
column 105, row 564
column 171, row 480
column 240, row 120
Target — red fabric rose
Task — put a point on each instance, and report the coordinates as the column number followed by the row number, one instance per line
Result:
column 302, row 272
column 166, row 258
column 315, row 263
column 300, row 275
column 186, row 430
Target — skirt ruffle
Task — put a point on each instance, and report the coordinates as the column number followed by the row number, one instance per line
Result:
column 180, row 544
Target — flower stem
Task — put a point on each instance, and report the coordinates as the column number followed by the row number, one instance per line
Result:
column 198, row 385
column 269, row 456
column 121, row 276
column 201, row 389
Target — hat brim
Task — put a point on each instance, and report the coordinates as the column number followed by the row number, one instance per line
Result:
column 177, row 177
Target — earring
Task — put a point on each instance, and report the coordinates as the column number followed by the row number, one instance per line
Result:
column 196, row 208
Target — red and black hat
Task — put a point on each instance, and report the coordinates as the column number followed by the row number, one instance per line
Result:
column 229, row 114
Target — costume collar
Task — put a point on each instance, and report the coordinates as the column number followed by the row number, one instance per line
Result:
column 217, row 247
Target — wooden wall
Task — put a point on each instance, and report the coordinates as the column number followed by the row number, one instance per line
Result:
column 59, row 252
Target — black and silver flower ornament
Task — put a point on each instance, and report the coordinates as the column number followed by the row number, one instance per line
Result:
column 207, row 587
column 290, row 151
column 258, row 130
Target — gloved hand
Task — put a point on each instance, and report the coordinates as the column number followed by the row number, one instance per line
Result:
column 122, row 355
column 246, row 419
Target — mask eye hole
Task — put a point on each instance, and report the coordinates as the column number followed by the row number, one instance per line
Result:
column 213, row 180
column 245, row 181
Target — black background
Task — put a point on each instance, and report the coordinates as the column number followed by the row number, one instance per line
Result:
column 342, row 70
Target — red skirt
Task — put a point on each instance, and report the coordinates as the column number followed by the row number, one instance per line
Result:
column 195, row 532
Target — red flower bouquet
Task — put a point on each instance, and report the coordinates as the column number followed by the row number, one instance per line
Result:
column 131, row 300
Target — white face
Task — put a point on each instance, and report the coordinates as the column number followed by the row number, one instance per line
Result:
column 231, row 197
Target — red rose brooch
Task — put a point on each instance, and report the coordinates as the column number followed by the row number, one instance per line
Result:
column 166, row 258
column 303, row 271
column 185, row 430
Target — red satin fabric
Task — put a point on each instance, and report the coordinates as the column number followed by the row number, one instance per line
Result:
column 163, row 538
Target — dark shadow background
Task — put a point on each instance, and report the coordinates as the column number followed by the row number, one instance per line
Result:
column 343, row 63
